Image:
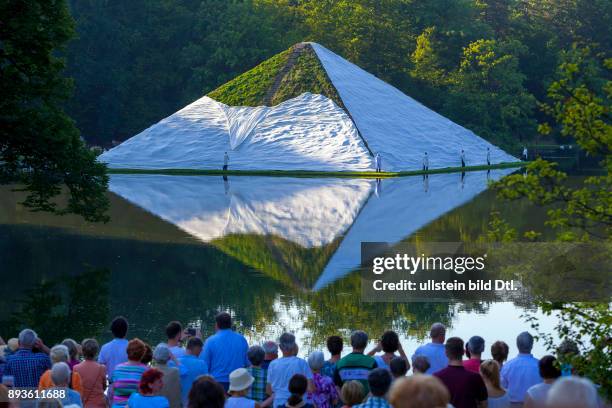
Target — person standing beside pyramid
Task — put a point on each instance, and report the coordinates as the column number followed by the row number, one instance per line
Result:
column 225, row 161
column 378, row 162
column 462, row 158
column 425, row 162
column 488, row 156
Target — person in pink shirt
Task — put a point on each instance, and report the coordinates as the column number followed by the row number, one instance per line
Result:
column 474, row 348
column 93, row 376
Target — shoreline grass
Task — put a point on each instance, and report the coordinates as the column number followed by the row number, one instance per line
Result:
column 308, row 173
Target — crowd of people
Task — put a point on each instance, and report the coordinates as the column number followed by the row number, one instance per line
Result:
column 224, row 371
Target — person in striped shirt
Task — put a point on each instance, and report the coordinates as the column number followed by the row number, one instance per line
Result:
column 126, row 376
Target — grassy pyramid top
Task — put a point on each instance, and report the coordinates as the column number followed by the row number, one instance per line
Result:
column 282, row 77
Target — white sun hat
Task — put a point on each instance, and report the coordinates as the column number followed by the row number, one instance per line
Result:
column 240, row 379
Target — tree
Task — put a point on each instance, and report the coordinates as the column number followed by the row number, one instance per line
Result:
column 579, row 105
column 40, row 146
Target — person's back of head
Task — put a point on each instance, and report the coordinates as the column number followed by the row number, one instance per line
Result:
column 419, row 391
column 162, row 353
column 398, row 367
column 489, row 370
column 119, row 327
column 271, row 349
column 136, row 349
column 90, row 349
column 194, row 346
column 476, row 345
column 298, row 384
column 316, row 360
column 499, row 351
column 389, row 341
column 206, row 393
column 174, row 330
column 437, row 332
column 286, row 342
column 60, row 374
column 548, row 368
column 223, row 321
column 27, row 338
column 59, row 354
column 359, row 340
column 73, row 348
column 572, row 392
column 147, row 357
column 352, row 393
column 379, row 381
column 148, row 378
column 420, row 364
column 334, row 345
column 524, row 342
column 454, row 348
column 256, row 355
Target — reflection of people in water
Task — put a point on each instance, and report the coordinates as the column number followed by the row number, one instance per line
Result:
column 462, row 158
column 488, row 156
column 426, row 183
column 226, row 185
column 425, row 162
column 488, row 175
column 225, row 161
column 378, row 162
column 462, row 179
column 378, row 187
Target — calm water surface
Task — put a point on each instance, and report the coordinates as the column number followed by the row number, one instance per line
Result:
column 280, row 253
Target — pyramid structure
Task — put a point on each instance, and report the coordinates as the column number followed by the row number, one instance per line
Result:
column 306, row 108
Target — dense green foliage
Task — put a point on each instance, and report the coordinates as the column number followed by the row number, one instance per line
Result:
column 579, row 106
column 481, row 63
column 249, row 89
column 39, row 144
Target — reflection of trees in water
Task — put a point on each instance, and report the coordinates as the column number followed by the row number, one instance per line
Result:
column 75, row 306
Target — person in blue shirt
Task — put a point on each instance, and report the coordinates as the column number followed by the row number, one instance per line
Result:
column 224, row 351
column 60, row 375
column 191, row 367
column 522, row 372
column 434, row 351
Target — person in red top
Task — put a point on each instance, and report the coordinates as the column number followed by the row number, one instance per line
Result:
column 474, row 348
column 467, row 389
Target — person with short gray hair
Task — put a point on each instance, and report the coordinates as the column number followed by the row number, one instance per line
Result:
column 572, row 392
column 93, row 375
column 271, row 349
column 171, row 388
column 60, row 354
column 282, row 369
column 325, row 394
column 355, row 365
column 474, row 348
column 256, row 355
column 60, row 375
column 26, row 366
column 434, row 352
column 522, row 372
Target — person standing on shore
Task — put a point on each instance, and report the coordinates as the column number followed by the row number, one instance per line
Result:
column 378, row 162
column 525, row 153
column 462, row 158
column 425, row 162
column 225, row 161
column 488, row 156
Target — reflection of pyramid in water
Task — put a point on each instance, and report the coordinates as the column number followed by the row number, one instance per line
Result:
column 303, row 231
column 306, row 109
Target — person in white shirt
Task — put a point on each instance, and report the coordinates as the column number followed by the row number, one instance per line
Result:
column 522, row 372
column 115, row 351
column 225, row 161
column 378, row 162
column 425, row 162
column 434, row 351
column 488, row 156
column 240, row 381
column 282, row 369
column 525, row 155
column 537, row 394
column 462, row 158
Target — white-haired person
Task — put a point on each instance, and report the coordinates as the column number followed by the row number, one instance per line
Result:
column 271, row 353
column 25, row 365
column 171, row 389
column 93, row 375
column 60, row 375
column 572, row 392
column 60, row 354
column 324, row 394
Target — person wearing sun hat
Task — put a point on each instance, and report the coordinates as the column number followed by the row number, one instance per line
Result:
column 240, row 382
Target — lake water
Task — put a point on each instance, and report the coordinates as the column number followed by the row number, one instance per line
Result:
column 281, row 253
